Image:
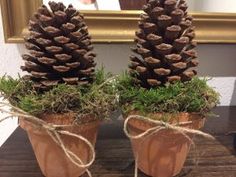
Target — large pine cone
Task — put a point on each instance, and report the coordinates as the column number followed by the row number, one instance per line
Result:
column 60, row 48
column 164, row 42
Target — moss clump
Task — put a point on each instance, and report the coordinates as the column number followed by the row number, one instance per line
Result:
column 192, row 96
column 97, row 98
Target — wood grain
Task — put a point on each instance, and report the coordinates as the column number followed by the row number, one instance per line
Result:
column 209, row 158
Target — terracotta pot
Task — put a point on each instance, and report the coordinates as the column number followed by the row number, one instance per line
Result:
column 164, row 153
column 52, row 160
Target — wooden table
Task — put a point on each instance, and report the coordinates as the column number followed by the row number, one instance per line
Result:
column 210, row 158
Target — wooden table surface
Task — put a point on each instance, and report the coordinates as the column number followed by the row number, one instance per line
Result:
column 210, row 158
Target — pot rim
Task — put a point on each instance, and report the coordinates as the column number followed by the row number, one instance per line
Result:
column 143, row 125
column 30, row 126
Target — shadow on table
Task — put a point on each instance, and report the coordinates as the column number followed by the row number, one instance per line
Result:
column 233, row 118
column 224, row 126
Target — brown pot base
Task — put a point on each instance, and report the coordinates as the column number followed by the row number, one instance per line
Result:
column 164, row 153
column 51, row 158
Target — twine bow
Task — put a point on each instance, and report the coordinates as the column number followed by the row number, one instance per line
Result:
column 54, row 131
column 159, row 125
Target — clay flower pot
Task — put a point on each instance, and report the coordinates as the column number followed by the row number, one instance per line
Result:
column 163, row 154
column 51, row 158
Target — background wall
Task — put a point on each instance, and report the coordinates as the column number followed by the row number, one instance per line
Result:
column 9, row 63
column 212, row 5
column 217, row 61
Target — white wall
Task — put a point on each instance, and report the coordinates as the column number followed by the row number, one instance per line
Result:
column 218, row 5
column 9, row 63
column 191, row 4
column 212, row 5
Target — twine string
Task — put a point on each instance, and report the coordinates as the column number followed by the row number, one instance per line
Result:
column 54, row 131
column 159, row 126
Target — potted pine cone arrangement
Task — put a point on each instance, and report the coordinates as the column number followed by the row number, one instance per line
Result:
column 162, row 86
column 61, row 88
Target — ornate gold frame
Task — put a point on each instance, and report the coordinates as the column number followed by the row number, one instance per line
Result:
column 115, row 26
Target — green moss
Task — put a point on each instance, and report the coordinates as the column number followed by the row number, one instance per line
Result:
column 100, row 97
column 191, row 96
column 97, row 98
column 14, row 89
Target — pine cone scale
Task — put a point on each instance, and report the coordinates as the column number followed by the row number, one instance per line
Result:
column 165, row 48
column 60, row 48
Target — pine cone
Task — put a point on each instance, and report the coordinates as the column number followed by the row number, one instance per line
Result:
column 165, row 48
column 60, row 48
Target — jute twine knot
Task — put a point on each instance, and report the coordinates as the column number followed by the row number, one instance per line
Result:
column 54, row 131
column 159, row 125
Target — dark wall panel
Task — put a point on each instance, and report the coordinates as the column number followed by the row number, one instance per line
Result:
column 216, row 60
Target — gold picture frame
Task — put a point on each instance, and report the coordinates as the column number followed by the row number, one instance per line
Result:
column 115, row 26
